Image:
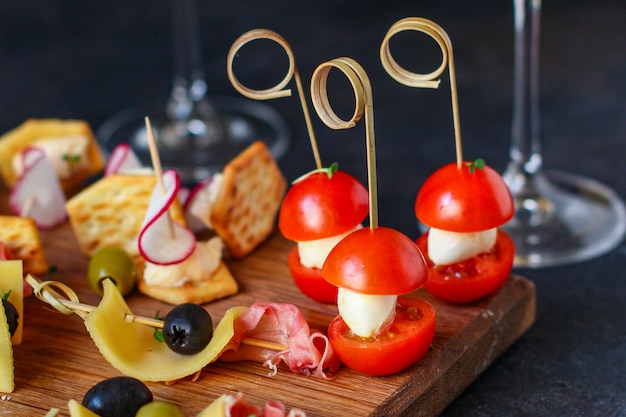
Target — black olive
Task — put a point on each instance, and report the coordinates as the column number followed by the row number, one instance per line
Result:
column 120, row 396
column 187, row 329
column 12, row 315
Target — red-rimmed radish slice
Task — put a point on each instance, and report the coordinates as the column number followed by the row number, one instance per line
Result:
column 37, row 192
column 186, row 197
column 163, row 241
column 122, row 159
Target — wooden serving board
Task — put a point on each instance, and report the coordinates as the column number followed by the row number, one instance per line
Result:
column 58, row 361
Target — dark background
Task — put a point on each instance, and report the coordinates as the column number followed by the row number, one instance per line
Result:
column 88, row 60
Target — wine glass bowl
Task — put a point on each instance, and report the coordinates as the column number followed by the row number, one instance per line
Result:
column 560, row 218
column 197, row 134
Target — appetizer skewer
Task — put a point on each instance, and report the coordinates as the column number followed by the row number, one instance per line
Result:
column 322, row 206
column 462, row 203
column 376, row 332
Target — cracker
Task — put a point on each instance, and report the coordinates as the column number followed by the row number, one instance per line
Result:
column 32, row 130
column 221, row 284
column 244, row 212
column 111, row 212
column 21, row 237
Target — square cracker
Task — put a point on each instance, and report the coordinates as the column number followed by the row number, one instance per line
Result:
column 32, row 130
column 244, row 212
column 111, row 211
column 21, row 237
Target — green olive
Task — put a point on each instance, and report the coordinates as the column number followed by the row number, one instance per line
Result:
column 114, row 263
column 159, row 409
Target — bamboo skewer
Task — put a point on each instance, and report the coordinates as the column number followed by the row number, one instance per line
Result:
column 364, row 106
column 279, row 89
column 411, row 79
column 71, row 304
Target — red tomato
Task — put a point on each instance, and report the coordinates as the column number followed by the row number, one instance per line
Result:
column 318, row 207
column 458, row 200
column 310, row 280
column 473, row 278
column 380, row 261
column 400, row 345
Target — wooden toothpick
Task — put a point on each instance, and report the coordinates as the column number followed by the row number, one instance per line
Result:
column 158, row 171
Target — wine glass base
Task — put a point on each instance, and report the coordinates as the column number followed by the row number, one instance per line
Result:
column 574, row 219
column 200, row 155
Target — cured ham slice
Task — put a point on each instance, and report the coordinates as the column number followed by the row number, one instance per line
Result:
column 305, row 351
column 237, row 406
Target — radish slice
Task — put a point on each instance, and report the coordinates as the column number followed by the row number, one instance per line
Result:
column 186, row 197
column 37, row 192
column 122, row 159
column 157, row 243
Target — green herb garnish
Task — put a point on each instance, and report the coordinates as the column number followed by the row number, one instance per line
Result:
column 477, row 164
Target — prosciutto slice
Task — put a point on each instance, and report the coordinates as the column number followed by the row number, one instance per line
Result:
column 237, row 406
column 305, row 351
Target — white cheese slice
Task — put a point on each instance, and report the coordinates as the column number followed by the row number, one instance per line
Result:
column 313, row 253
column 67, row 154
column 366, row 314
column 199, row 266
column 445, row 248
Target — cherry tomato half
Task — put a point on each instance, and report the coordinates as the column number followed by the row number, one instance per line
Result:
column 318, row 207
column 400, row 345
column 464, row 200
column 473, row 278
column 310, row 280
column 380, row 261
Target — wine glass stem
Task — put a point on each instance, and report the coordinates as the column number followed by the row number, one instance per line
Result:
column 189, row 85
column 525, row 151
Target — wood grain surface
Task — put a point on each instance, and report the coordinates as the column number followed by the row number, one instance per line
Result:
column 58, row 361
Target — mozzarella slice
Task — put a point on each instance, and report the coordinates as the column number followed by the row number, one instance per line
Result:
column 365, row 314
column 445, row 248
column 313, row 253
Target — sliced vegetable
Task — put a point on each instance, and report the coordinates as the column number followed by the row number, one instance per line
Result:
column 310, row 280
column 37, row 192
column 473, row 278
column 122, row 159
column 469, row 199
column 380, row 261
column 163, row 241
column 321, row 205
column 400, row 345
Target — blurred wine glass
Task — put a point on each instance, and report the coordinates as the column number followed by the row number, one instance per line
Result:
column 560, row 218
column 197, row 134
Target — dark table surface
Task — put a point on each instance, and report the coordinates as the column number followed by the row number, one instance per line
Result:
column 88, row 60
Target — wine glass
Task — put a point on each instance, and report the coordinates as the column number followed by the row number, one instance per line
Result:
column 196, row 135
column 560, row 218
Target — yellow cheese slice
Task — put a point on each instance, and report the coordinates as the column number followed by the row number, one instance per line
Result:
column 11, row 280
column 78, row 410
column 131, row 348
column 217, row 407
column 7, row 383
